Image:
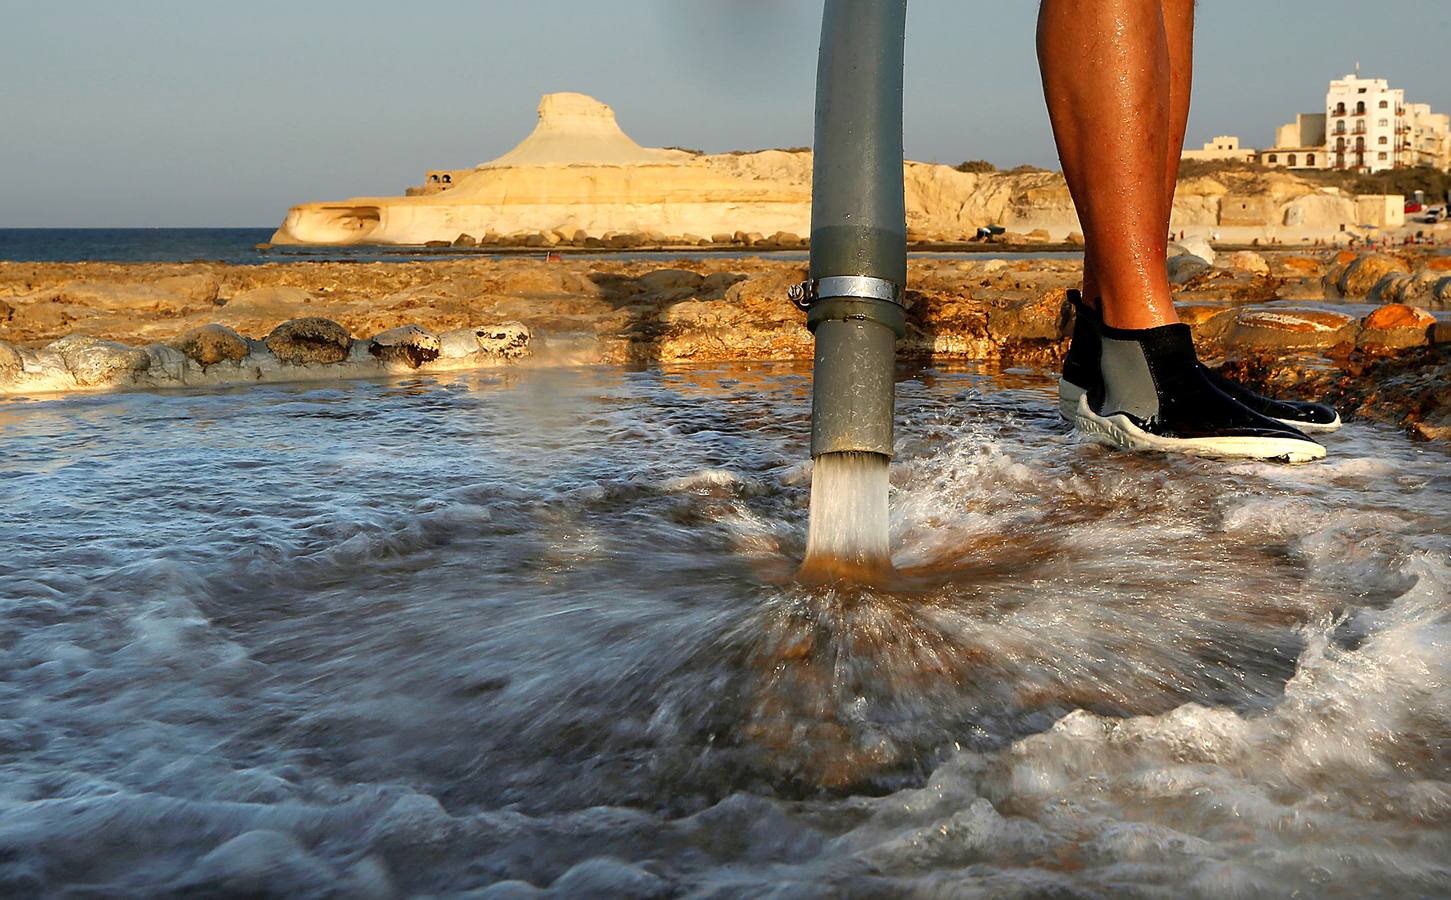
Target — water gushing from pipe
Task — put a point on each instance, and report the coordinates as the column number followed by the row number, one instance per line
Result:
column 847, row 537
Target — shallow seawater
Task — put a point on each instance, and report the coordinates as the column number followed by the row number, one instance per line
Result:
column 541, row 627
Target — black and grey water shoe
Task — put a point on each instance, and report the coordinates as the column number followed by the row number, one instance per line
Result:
column 1081, row 375
column 1154, row 395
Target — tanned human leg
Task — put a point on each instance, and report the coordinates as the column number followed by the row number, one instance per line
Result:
column 1178, row 16
column 1106, row 79
column 1133, row 379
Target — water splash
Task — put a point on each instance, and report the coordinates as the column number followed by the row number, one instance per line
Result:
column 848, row 534
column 411, row 638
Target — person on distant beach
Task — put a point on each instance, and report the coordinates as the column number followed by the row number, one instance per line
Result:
column 1116, row 77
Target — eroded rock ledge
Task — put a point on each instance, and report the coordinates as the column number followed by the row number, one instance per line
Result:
column 95, row 326
column 305, row 349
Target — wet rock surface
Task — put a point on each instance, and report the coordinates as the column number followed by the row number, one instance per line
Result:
column 11, row 363
column 310, row 340
column 427, row 314
column 92, row 361
column 1410, row 389
column 407, row 344
column 211, row 344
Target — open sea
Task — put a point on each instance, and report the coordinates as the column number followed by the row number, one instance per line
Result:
column 238, row 246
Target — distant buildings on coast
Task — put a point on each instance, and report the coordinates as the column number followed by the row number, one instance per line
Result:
column 1367, row 126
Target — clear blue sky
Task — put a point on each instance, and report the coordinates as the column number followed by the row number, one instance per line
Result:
column 188, row 113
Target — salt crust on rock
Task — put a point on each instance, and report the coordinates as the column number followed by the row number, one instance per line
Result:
column 407, row 344
column 92, row 362
column 82, row 363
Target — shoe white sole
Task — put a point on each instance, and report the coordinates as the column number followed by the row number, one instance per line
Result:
column 1069, row 394
column 1120, row 431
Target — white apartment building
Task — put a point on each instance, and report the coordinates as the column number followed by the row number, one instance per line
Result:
column 1365, row 124
column 1427, row 141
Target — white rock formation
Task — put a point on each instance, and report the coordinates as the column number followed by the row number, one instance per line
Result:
column 80, row 364
column 578, row 172
column 575, row 129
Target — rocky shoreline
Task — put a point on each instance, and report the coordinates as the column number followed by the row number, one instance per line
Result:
column 1370, row 331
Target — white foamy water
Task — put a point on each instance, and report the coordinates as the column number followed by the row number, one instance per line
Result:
column 539, row 631
column 848, row 525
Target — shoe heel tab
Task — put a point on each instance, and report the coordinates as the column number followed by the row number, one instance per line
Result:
column 1175, row 338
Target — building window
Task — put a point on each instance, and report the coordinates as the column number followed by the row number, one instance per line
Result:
column 448, row 179
column 1382, row 139
column 1384, row 122
column 1384, row 105
column 1274, row 158
column 1381, row 155
column 1309, row 159
column 1360, row 108
column 1292, row 159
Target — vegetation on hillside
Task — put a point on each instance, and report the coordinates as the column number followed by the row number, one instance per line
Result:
column 1406, row 182
column 976, row 166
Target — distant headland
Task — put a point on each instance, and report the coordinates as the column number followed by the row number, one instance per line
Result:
column 579, row 179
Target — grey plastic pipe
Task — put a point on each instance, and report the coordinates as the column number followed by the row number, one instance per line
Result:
column 858, row 226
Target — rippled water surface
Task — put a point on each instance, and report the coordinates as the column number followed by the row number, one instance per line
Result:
column 539, row 630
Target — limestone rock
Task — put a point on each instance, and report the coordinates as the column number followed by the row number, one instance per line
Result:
column 1300, row 265
column 7, row 312
column 579, row 171
column 457, row 343
column 275, row 301
column 1185, row 267
column 95, row 362
column 167, row 296
column 1209, row 320
column 465, row 240
column 714, row 285
column 1360, row 277
column 671, row 284
column 509, row 340
column 1045, row 317
column 211, row 344
column 1397, row 325
column 1290, row 328
column 1249, row 261
column 721, row 237
column 1192, row 246
column 1075, row 238
column 167, row 363
column 1418, row 288
column 199, row 290
column 11, row 362
column 310, row 340
column 407, row 344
